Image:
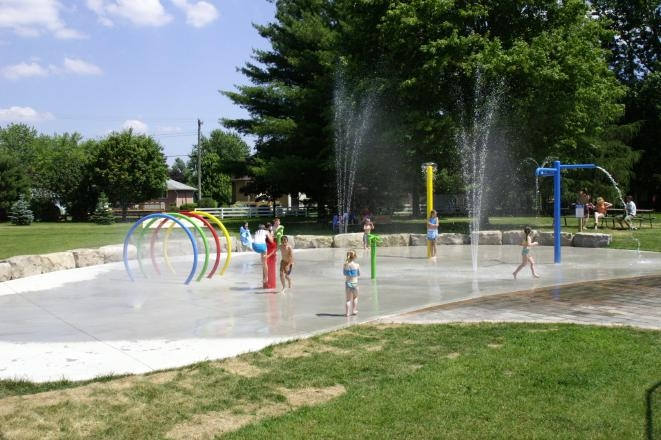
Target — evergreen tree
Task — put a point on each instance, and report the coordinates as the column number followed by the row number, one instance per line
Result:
column 20, row 213
column 290, row 102
column 103, row 214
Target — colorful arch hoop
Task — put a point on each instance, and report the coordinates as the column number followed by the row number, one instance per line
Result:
column 181, row 220
column 228, row 240
column 152, row 218
column 164, row 221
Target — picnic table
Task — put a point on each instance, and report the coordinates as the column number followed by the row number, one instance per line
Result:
column 642, row 215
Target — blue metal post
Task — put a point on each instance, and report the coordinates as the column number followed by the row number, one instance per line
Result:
column 556, row 212
column 555, row 172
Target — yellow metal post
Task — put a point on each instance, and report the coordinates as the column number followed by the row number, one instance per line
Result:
column 429, row 169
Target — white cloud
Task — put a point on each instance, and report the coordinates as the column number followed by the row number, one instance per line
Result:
column 32, row 18
column 98, row 7
column 138, row 12
column 138, row 127
column 198, row 14
column 80, row 67
column 69, row 66
column 23, row 70
column 15, row 113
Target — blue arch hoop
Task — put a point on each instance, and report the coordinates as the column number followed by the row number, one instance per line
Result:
column 169, row 217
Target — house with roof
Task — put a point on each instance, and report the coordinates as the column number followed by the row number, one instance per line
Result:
column 176, row 194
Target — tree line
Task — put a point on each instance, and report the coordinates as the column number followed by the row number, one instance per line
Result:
column 573, row 80
column 65, row 172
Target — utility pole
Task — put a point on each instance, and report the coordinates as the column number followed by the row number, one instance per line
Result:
column 199, row 162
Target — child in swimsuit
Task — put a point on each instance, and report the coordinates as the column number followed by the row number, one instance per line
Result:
column 351, row 271
column 259, row 246
column 368, row 227
column 526, row 258
column 432, row 232
column 286, row 262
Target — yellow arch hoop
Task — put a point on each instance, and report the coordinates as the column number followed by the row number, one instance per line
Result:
column 215, row 220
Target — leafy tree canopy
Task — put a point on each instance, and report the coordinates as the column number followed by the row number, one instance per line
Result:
column 129, row 168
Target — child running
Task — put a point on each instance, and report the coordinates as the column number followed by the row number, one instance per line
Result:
column 286, row 262
column 351, row 271
column 526, row 258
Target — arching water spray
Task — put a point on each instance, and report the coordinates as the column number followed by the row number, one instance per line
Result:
column 620, row 198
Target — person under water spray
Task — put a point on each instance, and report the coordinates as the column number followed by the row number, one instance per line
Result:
column 526, row 258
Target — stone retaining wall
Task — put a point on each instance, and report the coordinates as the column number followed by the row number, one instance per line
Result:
column 26, row 265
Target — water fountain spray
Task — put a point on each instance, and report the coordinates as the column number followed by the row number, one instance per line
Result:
column 351, row 124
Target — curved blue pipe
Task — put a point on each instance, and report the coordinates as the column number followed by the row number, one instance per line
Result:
column 169, row 217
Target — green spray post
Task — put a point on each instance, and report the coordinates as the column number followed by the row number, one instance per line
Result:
column 373, row 240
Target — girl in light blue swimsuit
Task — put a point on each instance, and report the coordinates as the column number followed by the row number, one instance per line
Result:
column 526, row 258
column 432, row 232
column 351, row 271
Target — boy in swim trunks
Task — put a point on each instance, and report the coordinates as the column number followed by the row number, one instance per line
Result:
column 351, row 271
column 286, row 262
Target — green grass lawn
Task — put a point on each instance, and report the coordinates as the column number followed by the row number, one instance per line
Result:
column 373, row 382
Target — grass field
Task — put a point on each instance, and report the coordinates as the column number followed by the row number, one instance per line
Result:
column 499, row 381
column 372, row 382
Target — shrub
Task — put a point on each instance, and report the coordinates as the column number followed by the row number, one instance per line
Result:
column 207, row 202
column 103, row 214
column 187, row 207
column 20, row 213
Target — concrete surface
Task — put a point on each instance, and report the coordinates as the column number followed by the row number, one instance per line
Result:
column 83, row 323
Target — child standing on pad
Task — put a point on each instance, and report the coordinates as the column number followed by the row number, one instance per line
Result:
column 286, row 262
column 351, row 271
column 526, row 258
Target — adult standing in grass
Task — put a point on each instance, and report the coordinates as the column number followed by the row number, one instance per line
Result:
column 526, row 258
column 584, row 199
column 351, row 271
column 432, row 232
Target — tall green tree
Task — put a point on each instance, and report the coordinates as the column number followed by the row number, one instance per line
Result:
column 635, row 57
column 13, row 183
column 289, row 102
column 60, row 171
column 544, row 60
column 179, row 171
column 224, row 156
column 18, row 140
column 129, row 169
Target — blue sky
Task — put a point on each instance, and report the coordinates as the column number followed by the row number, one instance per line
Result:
column 97, row 66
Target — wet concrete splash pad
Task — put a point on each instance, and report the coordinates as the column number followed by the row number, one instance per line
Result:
column 83, row 323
